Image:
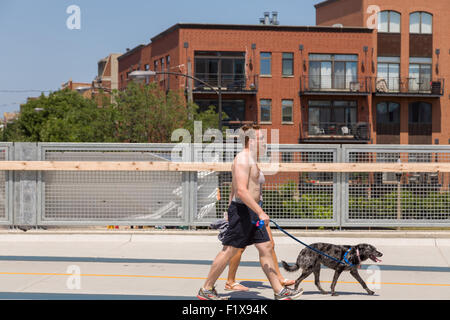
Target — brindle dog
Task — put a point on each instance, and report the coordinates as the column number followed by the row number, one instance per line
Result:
column 310, row 262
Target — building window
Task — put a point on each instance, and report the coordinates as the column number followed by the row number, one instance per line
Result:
column 389, row 21
column 266, row 110
column 231, row 65
column 420, row 71
column 388, row 118
column 288, row 64
column 234, row 110
column 420, row 122
column 389, row 72
column 332, row 71
column 287, row 107
column 388, row 113
column 420, row 113
column 266, row 63
column 420, row 22
column 331, row 117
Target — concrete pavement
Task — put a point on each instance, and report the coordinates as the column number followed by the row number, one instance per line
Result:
column 173, row 265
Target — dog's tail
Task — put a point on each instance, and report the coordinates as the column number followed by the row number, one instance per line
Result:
column 289, row 268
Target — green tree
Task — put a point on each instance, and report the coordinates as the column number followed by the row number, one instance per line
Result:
column 138, row 114
column 62, row 116
column 146, row 113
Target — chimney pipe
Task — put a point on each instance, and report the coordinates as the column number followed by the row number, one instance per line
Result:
column 275, row 18
column 266, row 17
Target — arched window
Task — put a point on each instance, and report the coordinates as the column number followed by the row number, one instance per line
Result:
column 421, row 22
column 389, row 21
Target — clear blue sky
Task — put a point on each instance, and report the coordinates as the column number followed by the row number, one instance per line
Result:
column 39, row 52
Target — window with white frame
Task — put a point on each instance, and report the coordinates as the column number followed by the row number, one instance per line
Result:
column 288, row 64
column 421, row 22
column 265, row 110
column 332, row 71
column 420, row 71
column 389, row 72
column 389, row 21
column 287, row 107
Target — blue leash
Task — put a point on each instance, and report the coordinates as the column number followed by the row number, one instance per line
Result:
column 314, row 249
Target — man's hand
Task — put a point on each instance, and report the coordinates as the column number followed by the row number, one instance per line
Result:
column 265, row 218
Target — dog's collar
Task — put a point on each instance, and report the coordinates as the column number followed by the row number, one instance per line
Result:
column 348, row 262
column 359, row 258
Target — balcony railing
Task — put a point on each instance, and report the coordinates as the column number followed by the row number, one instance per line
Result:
column 357, row 131
column 321, row 84
column 409, row 85
column 229, row 82
column 236, row 124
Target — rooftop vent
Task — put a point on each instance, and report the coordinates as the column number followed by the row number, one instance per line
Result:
column 267, row 20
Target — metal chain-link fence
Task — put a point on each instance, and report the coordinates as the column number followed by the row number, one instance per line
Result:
column 395, row 198
column 197, row 198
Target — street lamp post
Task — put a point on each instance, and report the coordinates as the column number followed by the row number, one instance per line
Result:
column 142, row 75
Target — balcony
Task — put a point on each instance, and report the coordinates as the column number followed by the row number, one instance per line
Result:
column 334, row 85
column 409, row 87
column 235, row 125
column 229, row 83
column 358, row 132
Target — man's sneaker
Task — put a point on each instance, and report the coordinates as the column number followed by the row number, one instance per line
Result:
column 288, row 294
column 204, row 294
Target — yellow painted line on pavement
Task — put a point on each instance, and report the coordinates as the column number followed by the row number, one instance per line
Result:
column 204, row 278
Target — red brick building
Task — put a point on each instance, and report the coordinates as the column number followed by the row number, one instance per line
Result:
column 320, row 84
column 412, row 62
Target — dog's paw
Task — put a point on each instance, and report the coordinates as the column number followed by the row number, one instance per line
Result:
column 334, row 294
column 324, row 292
column 370, row 292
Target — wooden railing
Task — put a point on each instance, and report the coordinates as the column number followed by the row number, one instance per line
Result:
column 220, row 167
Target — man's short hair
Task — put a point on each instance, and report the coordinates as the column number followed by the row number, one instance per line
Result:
column 248, row 131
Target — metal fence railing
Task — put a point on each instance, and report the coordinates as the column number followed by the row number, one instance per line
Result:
column 419, row 85
column 151, row 184
column 70, row 197
column 292, row 198
column 6, row 185
column 335, row 83
column 396, row 198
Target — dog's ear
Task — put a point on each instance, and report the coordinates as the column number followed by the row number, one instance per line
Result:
column 363, row 251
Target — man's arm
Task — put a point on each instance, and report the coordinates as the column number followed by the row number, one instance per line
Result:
column 230, row 198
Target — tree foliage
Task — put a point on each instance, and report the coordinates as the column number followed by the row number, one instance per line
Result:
column 138, row 114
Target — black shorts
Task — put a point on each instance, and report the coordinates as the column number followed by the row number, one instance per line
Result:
column 241, row 231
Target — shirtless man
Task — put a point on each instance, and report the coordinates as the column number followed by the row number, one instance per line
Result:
column 243, row 212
